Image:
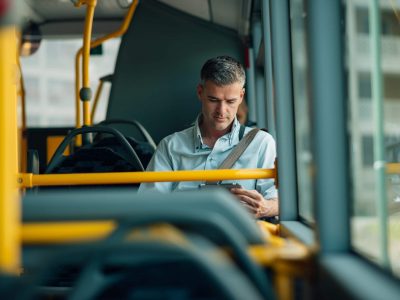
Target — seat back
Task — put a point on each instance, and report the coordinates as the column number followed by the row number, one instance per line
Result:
column 127, row 205
column 215, row 215
column 150, row 269
column 94, row 158
column 16, row 288
column 158, row 88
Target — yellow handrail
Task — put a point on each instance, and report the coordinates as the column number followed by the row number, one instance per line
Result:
column 9, row 201
column 393, row 168
column 85, row 92
column 95, row 43
column 28, row 180
column 21, row 93
column 78, row 124
column 66, row 232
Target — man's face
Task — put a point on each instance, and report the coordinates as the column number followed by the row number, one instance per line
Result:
column 219, row 103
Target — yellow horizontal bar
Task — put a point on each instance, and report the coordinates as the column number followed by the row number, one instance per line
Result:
column 393, row 168
column 30, row 180
column 276, row 250
column 65, row 232
column 269, row 227
column 273, row 253
column 77, row 231
column 89, row 231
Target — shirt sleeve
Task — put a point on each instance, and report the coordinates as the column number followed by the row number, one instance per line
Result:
column 266, row 187
column 161, row 161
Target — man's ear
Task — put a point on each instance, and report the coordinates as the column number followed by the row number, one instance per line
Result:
column 242, row 94
column 199, row 90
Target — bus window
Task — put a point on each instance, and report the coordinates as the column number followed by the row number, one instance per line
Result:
column 374, row 133
column 302, row 108
column 49, row 77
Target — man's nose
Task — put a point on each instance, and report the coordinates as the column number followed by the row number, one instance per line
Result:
column 221, row 106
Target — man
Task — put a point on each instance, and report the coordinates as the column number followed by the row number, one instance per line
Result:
column 214, row 135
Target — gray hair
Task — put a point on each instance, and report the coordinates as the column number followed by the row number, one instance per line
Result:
column 223, row 70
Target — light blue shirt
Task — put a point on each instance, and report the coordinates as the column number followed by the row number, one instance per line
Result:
column 185, row 150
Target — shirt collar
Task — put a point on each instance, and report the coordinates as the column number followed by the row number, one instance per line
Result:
column 233, row 135
column 198, row 140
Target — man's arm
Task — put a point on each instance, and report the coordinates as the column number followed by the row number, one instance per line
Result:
column 263, row 200
column 159, row 162
column 256, row 203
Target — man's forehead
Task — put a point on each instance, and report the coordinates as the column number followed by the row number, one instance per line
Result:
column 212, row 85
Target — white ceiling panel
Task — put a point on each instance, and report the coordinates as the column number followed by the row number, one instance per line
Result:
column 65, row 10
column 198, row 8
column 227, row 12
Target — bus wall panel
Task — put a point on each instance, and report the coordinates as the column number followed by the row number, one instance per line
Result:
column 158, row 67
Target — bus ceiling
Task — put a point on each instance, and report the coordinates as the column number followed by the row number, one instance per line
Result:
column 62, row 18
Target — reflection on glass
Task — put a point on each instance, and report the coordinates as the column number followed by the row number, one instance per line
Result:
column 301, row 108
column 366, row 237
column 59, row 90
column 50, row 81
column 32, row 89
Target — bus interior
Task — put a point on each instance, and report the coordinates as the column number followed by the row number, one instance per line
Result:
column 89, row 88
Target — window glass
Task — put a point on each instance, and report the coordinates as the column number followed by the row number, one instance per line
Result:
column 301, row 108
column 372, row 190
column 49, row 77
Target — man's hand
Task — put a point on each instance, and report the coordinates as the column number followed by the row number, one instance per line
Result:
column 256, row 204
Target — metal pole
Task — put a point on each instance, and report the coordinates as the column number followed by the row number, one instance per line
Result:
column 329, row 121
column 282, row 69
column 9, row 202
column 379, row 151
column 269, row 92
column 259, row 78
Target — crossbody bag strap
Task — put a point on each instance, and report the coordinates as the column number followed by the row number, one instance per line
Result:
column 239, row 149
column 241, row 132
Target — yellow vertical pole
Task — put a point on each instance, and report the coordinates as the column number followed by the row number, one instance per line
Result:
column 21, row 105
column 85, row 92
column 95, row 43
column 78, row 121
column 9, row 200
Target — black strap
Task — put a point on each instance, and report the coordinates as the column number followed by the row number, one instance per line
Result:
column 241, row 132
column 237, row 152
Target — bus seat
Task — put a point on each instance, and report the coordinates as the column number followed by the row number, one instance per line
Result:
column 152, row 269
column 143, row 133
column 209, row 225
column 211, row 214
column 15, row 288
column 91, row 158
column 140, row 140
column 164, row 101
column 143, row 150
column 122, row 204
column 44, row 141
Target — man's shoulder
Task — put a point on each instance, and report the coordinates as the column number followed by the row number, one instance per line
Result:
column 262, row 134
column 178, row 136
